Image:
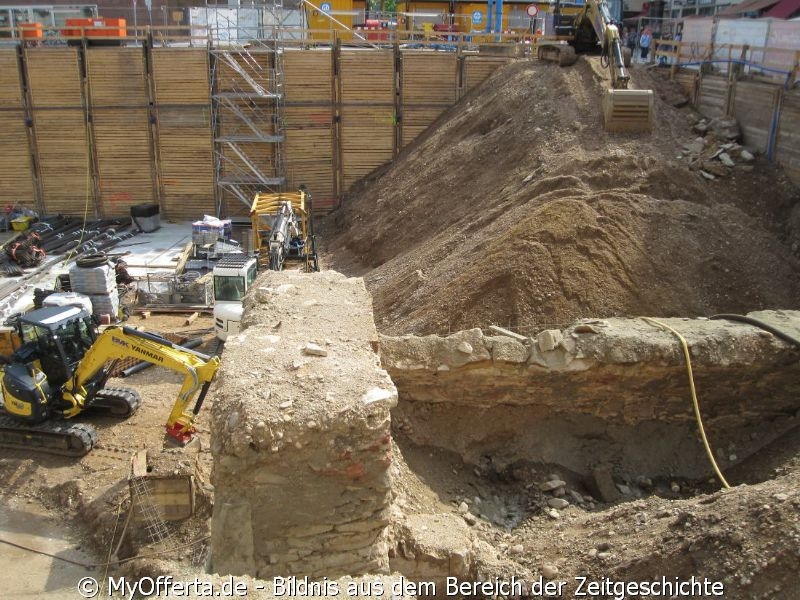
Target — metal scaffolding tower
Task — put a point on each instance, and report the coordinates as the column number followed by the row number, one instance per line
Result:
column 247, row 106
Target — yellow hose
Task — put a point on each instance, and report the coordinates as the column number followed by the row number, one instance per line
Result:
column 685, row 346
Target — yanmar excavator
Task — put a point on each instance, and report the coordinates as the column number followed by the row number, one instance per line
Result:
column 60, row 371
column 623, row 109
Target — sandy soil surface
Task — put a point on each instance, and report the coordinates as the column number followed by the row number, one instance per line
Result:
column 521, row 211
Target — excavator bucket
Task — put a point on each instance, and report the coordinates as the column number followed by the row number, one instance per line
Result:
column 628, row 110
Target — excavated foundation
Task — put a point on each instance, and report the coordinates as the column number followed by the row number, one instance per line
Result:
column 611, row 393
column 301, row 428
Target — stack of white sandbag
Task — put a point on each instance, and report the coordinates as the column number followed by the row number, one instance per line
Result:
column 100, row 284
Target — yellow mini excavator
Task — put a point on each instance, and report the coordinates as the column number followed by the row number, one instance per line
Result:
column 60, row 370
column 623, row 109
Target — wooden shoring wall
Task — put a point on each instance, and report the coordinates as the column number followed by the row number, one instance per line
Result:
column 477, row 68
column 767, row 113
column 308, row 123
column 367, row 112
column 61, row 132
column 184, row 143
column 120, row 122
column 753, row 105
column 429, row 86
column 712, row 97
column 17, row 185
column 787, row 147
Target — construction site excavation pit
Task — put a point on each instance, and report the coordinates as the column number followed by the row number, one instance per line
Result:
column 339, row 452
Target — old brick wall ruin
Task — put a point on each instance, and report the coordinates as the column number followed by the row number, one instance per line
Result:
column 302, row 430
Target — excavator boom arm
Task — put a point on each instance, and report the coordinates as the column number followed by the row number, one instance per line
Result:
column 123, row 342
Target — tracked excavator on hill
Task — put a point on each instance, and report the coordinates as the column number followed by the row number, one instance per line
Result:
column 623, row 109
column 60, row 371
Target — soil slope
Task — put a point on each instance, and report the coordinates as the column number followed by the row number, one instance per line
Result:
column 520, row 210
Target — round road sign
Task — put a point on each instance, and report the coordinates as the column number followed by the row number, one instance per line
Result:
column 532, row 10
column 325, row 7
column 477, row 17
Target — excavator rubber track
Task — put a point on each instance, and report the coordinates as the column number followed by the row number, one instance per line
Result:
column 52, row 437
column 119, row 403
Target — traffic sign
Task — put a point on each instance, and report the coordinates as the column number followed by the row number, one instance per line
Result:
column 477, row 17
column 532, row 10
column 325, row 7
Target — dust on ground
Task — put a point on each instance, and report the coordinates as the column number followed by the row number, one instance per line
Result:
column 520, row 210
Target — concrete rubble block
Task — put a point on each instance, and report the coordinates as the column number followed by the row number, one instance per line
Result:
column 431, row 351
column 504, row 349
column 725, row 128
column 601, row 484
column 309, row 463
column 549, row 339
column 432, row 547
column 726, row 160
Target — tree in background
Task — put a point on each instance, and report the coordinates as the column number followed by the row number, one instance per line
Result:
column 382, row 5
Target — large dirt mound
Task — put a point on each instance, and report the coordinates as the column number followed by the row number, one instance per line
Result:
column 520, row 210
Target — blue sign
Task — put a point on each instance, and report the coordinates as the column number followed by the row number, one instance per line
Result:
column 477, row 17
column 325, row 7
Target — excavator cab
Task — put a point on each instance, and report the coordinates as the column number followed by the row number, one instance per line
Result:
column 53, row 342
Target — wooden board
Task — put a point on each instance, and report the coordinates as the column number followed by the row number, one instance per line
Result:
column 54, row 77
column 429, row 78
column 478, row 68
column 753, row 108
column 17, row 183
column 62, row 137
column 367, row 140
column 787, row 147
column 308, row 150
column 185, row 147
column 186, row 161
column 712, row 96
column 307, row 76
column 366, row 77
column 429, row 87
column 367, row 120
column 416, row 120
column 119, row 97
column 10, row 89
column 181, row 76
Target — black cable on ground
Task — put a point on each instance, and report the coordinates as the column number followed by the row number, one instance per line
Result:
column 761, row 325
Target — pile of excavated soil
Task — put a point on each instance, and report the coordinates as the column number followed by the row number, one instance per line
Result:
column 520, row 210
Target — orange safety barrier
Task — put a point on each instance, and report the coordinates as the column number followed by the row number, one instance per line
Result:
column 95, row 28
column 31, row 31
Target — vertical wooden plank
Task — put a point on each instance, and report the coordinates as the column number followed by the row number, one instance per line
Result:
column 308, row 124
column 430, row 85
column 185, row 151
column 60, row 129
column 367, row 112
column 118, row 91
column 17, row 182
